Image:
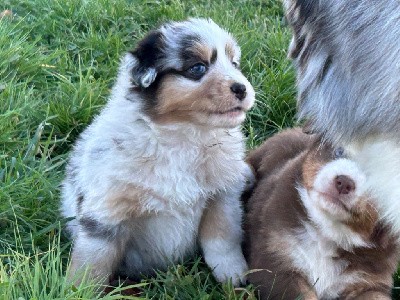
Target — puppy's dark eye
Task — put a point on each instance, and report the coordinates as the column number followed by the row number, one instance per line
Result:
column 235, row 64
column 338, row 152
column 198, row 70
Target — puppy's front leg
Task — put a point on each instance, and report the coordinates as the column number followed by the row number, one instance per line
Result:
column 221, row 236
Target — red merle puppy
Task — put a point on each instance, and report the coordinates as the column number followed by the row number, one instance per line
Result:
column 312, row 229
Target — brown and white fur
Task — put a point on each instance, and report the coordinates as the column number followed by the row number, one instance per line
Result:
column 347, row 57
column 162, row 168
column 312, row 230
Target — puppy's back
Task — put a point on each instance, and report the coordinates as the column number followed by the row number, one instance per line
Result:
column 278, row 149
column 271, row 209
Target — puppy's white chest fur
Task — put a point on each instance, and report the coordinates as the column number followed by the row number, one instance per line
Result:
column 315, row 256
column 190, row 164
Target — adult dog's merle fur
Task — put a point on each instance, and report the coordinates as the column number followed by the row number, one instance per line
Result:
column 347, row 57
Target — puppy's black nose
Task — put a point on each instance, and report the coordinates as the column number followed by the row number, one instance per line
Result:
column 344, row 184
column 239, row 90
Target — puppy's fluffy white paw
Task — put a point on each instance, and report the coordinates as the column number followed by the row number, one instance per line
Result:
column 228, row 266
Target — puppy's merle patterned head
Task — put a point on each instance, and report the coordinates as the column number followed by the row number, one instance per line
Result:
column 189, row 72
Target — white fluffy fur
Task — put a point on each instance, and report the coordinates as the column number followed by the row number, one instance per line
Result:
column 313, row 255
column 321, row 238
column 379, row 157
column 188, row 172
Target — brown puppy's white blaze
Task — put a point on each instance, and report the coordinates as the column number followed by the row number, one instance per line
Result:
column 338, row 190
column 338, row 186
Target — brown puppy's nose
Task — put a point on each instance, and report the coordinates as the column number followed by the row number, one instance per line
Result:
column 239, row 90
column 344, row 184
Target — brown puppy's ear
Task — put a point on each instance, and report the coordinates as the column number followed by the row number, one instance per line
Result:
column 148, row 54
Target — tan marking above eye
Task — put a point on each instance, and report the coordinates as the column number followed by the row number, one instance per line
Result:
column 201, row 51
column 179, row 102
column 230, row 51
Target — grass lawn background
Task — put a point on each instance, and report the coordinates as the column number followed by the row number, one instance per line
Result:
column 58, row 60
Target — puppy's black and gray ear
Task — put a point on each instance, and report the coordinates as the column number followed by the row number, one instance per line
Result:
column 147, row 54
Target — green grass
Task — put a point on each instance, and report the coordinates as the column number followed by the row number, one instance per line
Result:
column 58, row 60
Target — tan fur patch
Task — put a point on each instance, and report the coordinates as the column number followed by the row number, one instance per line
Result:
column 177, row 101
column 130, row 201
column 306, row 290
column 364, row 219
column 318, row 156
column 310, row 170
column 201, row 51
column 213, row 224
column 230, row 51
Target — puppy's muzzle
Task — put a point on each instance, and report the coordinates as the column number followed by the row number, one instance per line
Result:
column 239, row 90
